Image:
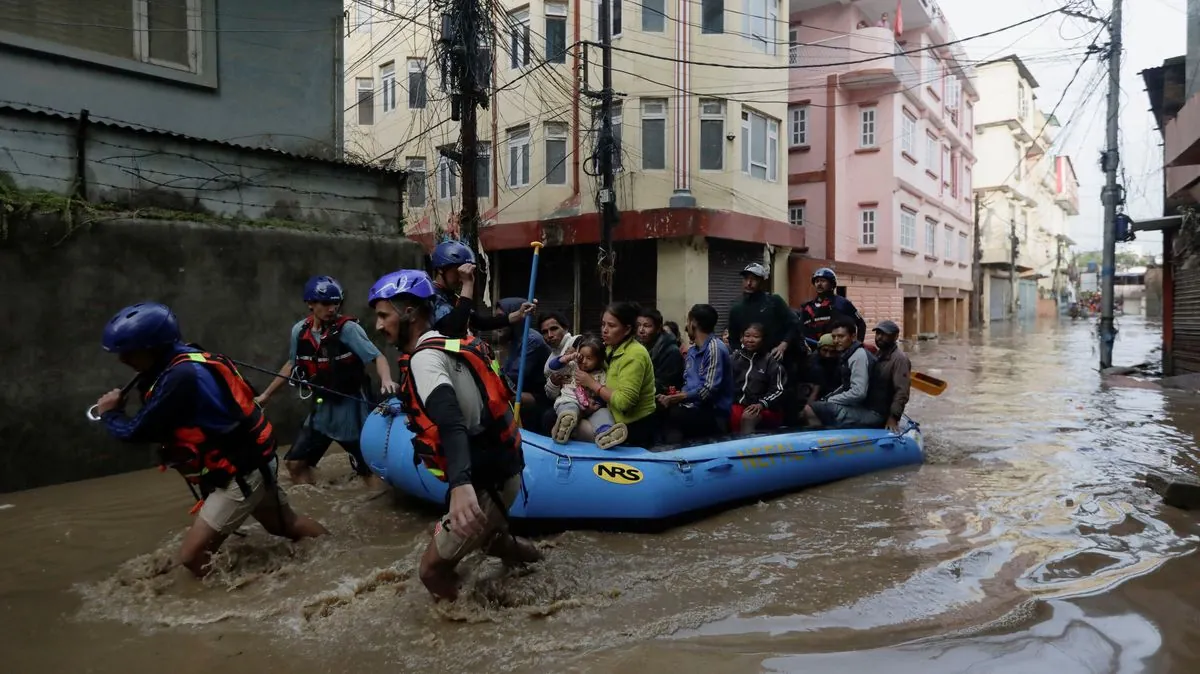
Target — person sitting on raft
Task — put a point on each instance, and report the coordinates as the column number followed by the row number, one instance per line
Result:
column 759, row 382
column 581, row 414
column 894, row 372
column 702, row 408
column 862, row 400
column 198, row 406
column 460, row 411
column 533, row 394
column 629, row 390
column 554, row 329
column 822, row 374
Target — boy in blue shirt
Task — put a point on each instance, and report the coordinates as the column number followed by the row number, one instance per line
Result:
column 702, row 408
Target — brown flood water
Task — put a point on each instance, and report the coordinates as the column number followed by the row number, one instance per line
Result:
column 1025, row 544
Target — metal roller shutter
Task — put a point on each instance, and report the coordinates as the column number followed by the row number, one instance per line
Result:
column 726, row 260
column 635, row 279
column 1186, row 342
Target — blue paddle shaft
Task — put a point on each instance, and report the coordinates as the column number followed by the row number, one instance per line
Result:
column 525, row 329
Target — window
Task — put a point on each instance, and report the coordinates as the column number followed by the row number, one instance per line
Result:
column 556, row 153
column 518, row 38
column 796, row 215
column 518, row 156
column 387, row 74
column 362, row 16
column 931, row 152
column 948, row 244
column 966, row 182
column 654, row 133
column 954, row 175
column 908, row 229
column 712, row 16
column 712, row 134
column 908, row 134
column 616, row 17
column 447, row 181
column 483, row 169
column 762, row 16
column 962, row 247
column 1022, row 102
column 760, row 146
column 389, row 6
column 616, row 126
column 654, row 16
column 556, row 32
column 1020, row 168
column 366, row 100
column 416, row 182
column 945, row 166
column 798, row 126
column 1025, row 224
column 866, row 135
column 793, row 37
column 930, row 237
column 866, row 220
column 417, row 94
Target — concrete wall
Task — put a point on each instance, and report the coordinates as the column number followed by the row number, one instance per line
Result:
column 271, row 75
column 137, row 168
column 236, row 290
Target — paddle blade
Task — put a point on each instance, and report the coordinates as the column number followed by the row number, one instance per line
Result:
column 927, row 384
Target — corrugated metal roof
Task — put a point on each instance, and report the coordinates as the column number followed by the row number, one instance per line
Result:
column 39, row 111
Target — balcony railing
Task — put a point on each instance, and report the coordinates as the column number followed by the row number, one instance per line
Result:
column 869, row 52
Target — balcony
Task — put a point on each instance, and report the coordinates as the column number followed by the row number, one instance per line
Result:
column 865, row 58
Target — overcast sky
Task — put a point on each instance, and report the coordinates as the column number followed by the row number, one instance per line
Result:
column 1154, row 30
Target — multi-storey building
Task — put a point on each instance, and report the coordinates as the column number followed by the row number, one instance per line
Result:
column 1026, row 194
column 701, row 183
column 880, row 155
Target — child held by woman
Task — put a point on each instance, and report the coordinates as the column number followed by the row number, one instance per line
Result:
column 581, row 415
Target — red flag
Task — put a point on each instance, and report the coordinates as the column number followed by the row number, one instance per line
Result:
column 898, row 23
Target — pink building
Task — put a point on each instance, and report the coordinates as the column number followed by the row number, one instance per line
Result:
column 880, row 157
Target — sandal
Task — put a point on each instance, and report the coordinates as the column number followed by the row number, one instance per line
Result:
column 611, row 436
column 564, row 427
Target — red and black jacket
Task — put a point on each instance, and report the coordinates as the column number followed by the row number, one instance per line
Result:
column 329, row 362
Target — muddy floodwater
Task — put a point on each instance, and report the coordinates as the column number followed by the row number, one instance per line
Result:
column 1024, row 544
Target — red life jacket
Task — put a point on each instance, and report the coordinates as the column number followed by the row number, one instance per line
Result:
column 329, row 363
column 211, row 462
column 501, row 430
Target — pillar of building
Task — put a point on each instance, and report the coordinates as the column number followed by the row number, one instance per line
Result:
column 682, row 274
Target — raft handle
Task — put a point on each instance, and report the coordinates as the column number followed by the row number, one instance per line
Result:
column 720, row 468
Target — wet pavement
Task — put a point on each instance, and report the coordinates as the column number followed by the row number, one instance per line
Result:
column 1026, row 543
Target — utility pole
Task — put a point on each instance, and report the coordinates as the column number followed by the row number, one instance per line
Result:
column 1110, row 160
column 607, row 198
column 1012, row 266
column 461, row 28
column 976, row 309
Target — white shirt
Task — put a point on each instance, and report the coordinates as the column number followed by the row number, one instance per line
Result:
column 432, row 368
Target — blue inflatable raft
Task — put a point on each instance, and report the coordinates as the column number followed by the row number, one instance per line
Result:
column 578, row 484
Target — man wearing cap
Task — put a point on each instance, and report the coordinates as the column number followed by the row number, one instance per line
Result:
column 780, row 324
column 893, row 371
column 818, row 314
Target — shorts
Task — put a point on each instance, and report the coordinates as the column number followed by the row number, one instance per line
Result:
column 452, row 547
column 835, row 415
column 227, row 508
column 766, row 419
column 311, row 445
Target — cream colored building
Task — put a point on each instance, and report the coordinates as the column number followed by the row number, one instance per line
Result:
column 702, row 186
column 1024, row 190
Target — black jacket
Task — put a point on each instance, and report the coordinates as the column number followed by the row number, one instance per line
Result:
column 758, row 379
column 779, row 321
column 668, row 363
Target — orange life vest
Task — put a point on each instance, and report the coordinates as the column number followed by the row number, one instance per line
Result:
column 211, row 462
column 501, row 430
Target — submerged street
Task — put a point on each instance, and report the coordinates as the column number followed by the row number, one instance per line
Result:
column 1025, row 543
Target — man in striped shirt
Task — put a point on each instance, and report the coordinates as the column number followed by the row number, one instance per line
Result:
column 702, row 408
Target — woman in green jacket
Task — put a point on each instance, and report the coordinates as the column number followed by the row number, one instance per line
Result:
column 629, row 391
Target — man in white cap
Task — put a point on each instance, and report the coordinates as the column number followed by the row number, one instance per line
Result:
column 780, row 323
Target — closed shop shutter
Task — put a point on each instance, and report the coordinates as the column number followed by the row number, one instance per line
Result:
column 1186, row 342
column 1028, row 297
column 998, row 294
column 635, row 280
column 726, row 260
column 556, row 276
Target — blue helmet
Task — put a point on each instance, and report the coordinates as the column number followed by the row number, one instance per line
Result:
column 141, row 326
column 412, row 282
column 451, row 254
column 322, row 289
column 825, row 273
